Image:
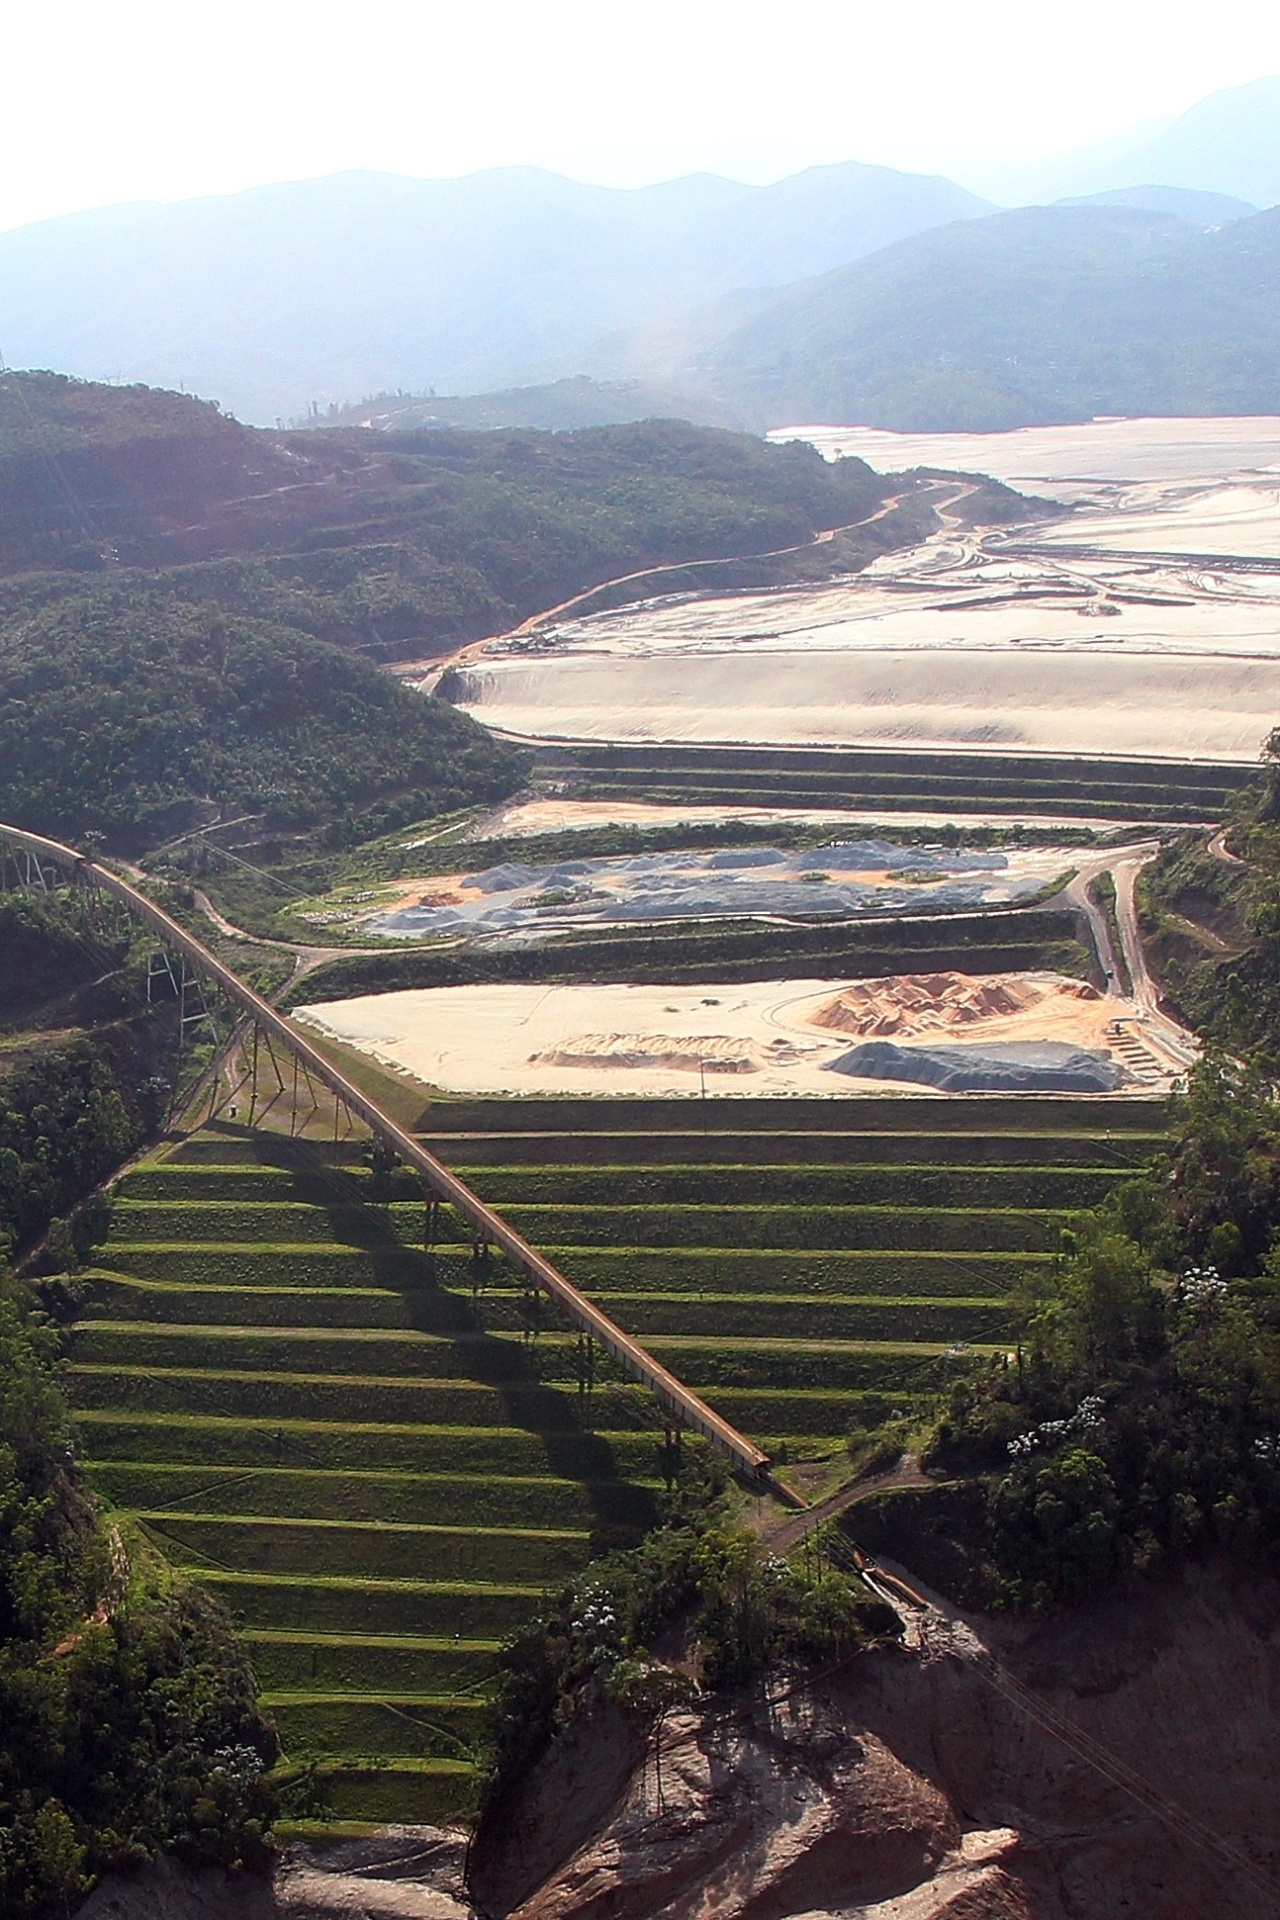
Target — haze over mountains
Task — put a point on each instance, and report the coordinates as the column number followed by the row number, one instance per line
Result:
column 1040, row 315
column 1228, row 143
column 329, row 289
column 849, row 292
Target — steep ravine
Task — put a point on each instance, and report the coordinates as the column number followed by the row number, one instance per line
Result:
column 908, row 1789
column 903, row 1788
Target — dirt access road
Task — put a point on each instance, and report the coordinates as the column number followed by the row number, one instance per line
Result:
column 1124, row 864
column 425, row 673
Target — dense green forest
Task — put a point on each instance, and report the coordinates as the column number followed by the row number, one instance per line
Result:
column 402, row 537
column 745, row 1611
column 128, row 1709
column 1214, row 925
column 1139, row 1421
column 184, row 601
column 127, row 713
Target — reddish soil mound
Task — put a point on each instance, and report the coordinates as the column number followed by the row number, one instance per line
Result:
column 918, row 1002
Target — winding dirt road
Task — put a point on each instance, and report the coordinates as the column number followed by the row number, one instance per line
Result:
column 1172, row 1045
column 421, row 671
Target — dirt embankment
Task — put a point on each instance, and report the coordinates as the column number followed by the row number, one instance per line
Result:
column 908, row 1788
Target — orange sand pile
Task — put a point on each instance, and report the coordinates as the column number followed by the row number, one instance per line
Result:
column 918, row 1002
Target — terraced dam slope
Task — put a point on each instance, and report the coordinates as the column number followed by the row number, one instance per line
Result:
column 375, row 1468
column 790, row 1258
column 379, row 1456
column 854, row 777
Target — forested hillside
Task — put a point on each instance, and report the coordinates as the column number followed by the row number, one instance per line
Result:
column 1044, row 314
column 1138, row 1424
column 186, row 598
column 127, row 713
column 128, row 1710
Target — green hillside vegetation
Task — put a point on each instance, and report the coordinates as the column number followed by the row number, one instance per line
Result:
column 746, row 1612
column 1142, row 1423
column 403, row 542
column 185, row 595
column 557, row 406
column 1141, row 1426
column 129, row 714
column 1215, row 925
column 376, row 1456
column 1038, row 315
column 83, row 1072
column 129, row 1712
column 796, row 1263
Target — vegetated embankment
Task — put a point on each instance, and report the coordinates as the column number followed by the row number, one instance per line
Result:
column 378, row 1456
column 358, row 1445
column 1123, row 789
column 806, row 1265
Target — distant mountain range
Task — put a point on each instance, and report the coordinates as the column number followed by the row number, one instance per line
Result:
column 849, row 293
column 1228, row 143
column 324, row 290
column 1040, row 315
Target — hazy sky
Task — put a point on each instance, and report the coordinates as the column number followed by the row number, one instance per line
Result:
column 111, row 100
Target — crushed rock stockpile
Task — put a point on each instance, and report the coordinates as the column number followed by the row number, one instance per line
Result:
column 770, row 1037
column 1047, row 1066
column 917, row 1002
column 842, row 880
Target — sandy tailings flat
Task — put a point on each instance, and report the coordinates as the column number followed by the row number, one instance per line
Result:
column 1241, row 520
column 1099, row 702
column 1146, row 621
column 768, row 1037
column 1157, row 449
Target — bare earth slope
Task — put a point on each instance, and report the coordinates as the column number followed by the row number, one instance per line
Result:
column 907, row 1789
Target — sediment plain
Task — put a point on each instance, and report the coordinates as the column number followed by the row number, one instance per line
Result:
column 782, row 1038
column 1144, row 619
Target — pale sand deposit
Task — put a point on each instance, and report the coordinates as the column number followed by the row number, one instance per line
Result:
column 1096, row 700
column 1155, row 449
column 1232, row 520
column 527, row 817
column 1132, row 631
column 765, row 1037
